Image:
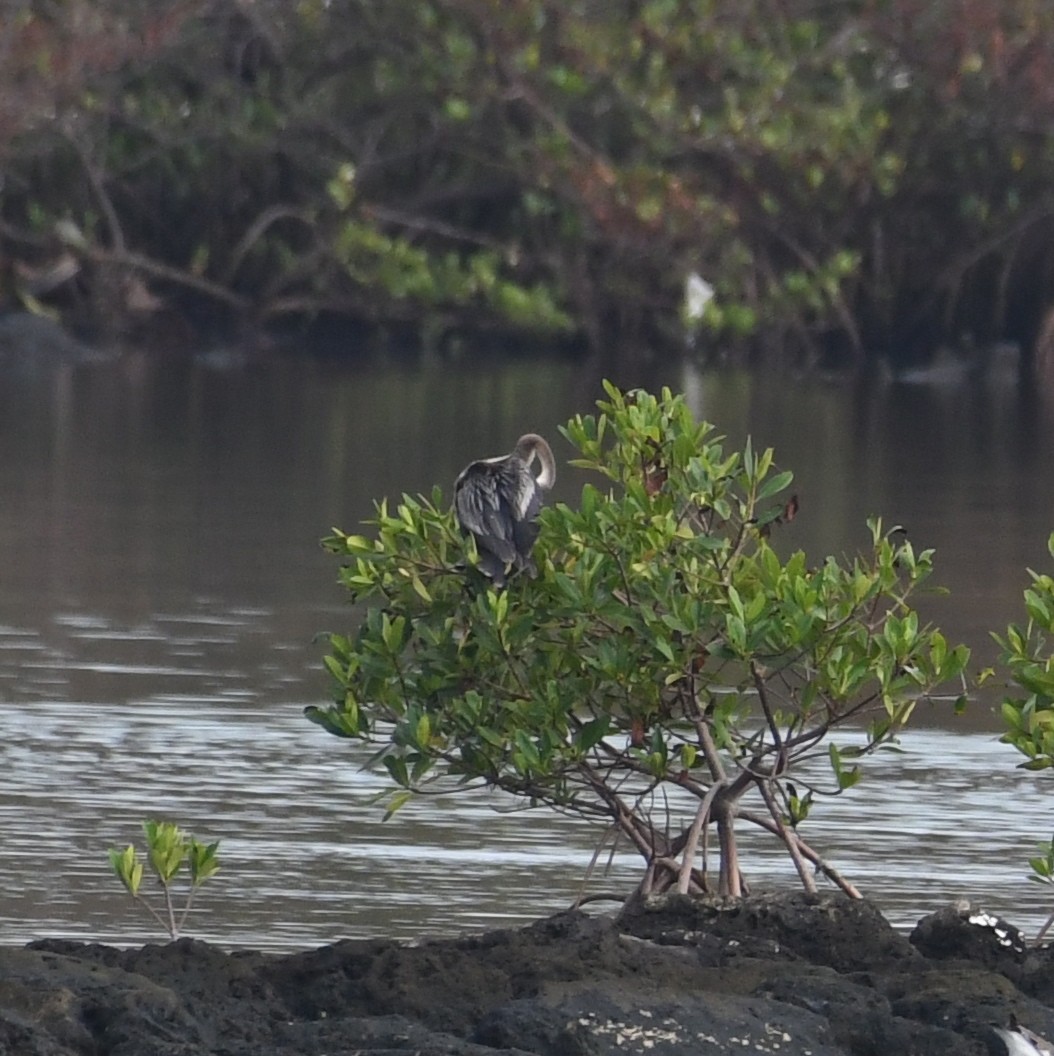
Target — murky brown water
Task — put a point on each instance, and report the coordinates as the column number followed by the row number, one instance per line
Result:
column 162, row 584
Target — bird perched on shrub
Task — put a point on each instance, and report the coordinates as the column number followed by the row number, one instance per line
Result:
column 497, row 502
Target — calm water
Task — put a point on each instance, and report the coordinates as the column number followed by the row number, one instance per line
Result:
column 163, row 585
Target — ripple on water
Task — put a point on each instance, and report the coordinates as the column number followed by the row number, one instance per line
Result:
column 305, row 855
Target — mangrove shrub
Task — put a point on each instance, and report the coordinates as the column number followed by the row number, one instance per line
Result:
column 666, row 674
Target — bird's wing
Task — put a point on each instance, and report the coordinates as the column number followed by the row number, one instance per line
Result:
column 482, row 503
column 525, row 527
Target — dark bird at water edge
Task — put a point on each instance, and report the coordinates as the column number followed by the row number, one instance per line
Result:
column 497, row 501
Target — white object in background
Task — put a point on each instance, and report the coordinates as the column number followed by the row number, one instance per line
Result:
column 698, row 293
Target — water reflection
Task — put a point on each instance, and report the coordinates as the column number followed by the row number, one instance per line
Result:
column 163, row 585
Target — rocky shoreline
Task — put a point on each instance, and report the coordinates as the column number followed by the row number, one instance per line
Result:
column 791, row 974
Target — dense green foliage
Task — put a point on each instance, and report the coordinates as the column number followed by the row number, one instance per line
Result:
column 666, row 672
column 1028, row 710
column 850, row 178
column 1028, row 706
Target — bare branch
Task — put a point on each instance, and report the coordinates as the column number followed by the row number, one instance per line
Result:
column 98, row 186
column 788, row 837
column 138, row 262
column 829, row 871
column 701, row 819
column 256, row 230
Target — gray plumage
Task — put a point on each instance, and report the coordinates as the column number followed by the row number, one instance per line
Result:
column 497, row 502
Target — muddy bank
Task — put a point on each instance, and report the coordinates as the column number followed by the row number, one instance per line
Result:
column 792, row 974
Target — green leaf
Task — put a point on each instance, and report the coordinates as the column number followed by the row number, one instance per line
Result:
column 128, row 868
column 396, row 767
column 775, row 484
column 336, row 668
column 396, row 803
column 203, row 861
column 528, row 749
column 339, row 723
column 665, row 648
column 593, row 732
column 166, row 848
column 423, row 731
column 1036, row 764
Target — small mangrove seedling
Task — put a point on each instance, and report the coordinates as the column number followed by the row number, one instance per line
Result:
column 167, row 851
column 1043, row 873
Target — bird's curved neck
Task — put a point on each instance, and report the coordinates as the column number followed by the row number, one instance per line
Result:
column 532, row 445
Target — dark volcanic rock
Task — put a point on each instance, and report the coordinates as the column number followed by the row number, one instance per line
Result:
column 601, row 1021
column 794, row 974
column 52, row 1004
column 964, row 932
column 843, row 933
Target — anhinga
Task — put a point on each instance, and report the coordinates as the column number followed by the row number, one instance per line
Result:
column 497, row 501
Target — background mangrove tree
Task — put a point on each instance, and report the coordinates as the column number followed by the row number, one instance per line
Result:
column 851, row 179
